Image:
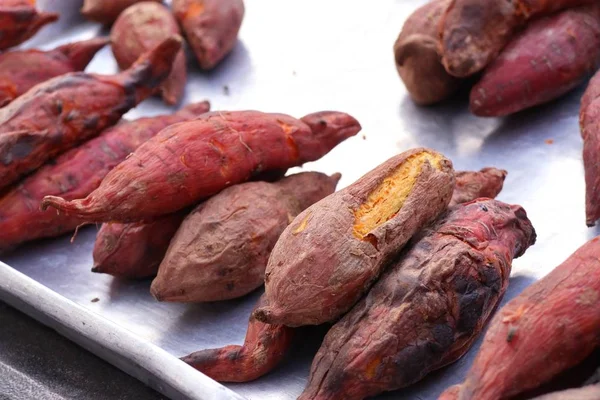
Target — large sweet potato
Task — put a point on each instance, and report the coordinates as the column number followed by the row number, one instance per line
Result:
column 550, row 57
column 550, row 327
column 137, row 30
column 20, row 20
column 590, row 392
column 107, row 11
column 75, row 174
column 333, row 251
column 590, row 131
column 221, row 250
column 471, row 185
column 58, row 114
column 20, row 70
column 194, row 160
column 428, row 308
column 211, row 27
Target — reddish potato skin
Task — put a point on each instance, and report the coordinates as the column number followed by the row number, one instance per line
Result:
column 264, row 347
column 591, row 392
column 58, row 114
column 42, row 65
column 590, row 132
column 107, row 11
column 451, row 393
column 222, row 248
column 138, row 29
column 190, row 161
column 471, row 185
column 20, row 20
column 550, row 327
column 75, row 174
column 550, row 57
column 427, row 308
column 211, row 27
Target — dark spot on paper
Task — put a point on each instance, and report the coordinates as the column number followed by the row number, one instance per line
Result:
column 95, row 300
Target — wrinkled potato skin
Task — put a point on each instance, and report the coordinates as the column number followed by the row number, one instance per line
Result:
column 471, row 185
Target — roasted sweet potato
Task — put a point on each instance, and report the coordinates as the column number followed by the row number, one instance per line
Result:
column 211, row 27
column 75, row 174
column 590, row 131
column 418, row 59
column 591, row 392
column 20, row 20
column 194, row 160
column 221, row 250
column 264, row 347
column 550, row 57
column 333, row 251
column 58, row 114
column 550, row 327
column 471, row 185
column 20, row 70
column 138, row 29
column 427, row 308
column 107, row 11
column 473, row 32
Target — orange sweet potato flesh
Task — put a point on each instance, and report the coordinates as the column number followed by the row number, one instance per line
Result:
column 60, row 113
column 264, row 347
column 42, row 66
column 140, row 28
column 550, row 327
column 590, row 392
column 550, row 57
column 75, row 174
column 474, row 32
column 427, row 308
column 211, row 27
column 333, row 251
column 222, row 248
column 107, row 11
column 418, row 59
column 590, row 131
column 20, row 20
column 188, row 162
column 471, row 185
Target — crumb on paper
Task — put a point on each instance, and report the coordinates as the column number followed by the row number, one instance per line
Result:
column 364, row 137
column 549, row 141
column 226, row 90
column 294, row 73
column 95, row 300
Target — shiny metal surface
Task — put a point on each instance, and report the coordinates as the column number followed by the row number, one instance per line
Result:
column 298, row 57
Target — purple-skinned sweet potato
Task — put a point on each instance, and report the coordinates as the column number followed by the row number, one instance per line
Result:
column 107, row 11
column 20, row 20
column 42, row 65
column 138, row 29
column 471, row 185
column 194, row 160
column 222, row 248
column 427, row 308
column 75, row 174
column 334, row 250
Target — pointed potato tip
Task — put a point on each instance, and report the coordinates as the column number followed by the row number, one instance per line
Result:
column 336, row 177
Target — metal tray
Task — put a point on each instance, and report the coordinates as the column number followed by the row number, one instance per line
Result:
column 298, row 57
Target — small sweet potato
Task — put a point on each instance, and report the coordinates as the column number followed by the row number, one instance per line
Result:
column 75, row 174
column 550, row 57
column 591, row 392
column 427, row 308
column 20, row 20
column 107, row 11
column 550, row 327
column 211, row 27
column 418, row 59
column 471, row 185
column 138, row 29
column 197, row 159
column 333, row 251
column 58, row 114
column 15, row 79
column 221, row 250
column 590, row 131
column 264, row 347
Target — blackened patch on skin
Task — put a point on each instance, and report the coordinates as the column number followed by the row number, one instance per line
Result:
column 72, row 180
column 491, row 278
column 91, row 122
column 412, row 361
column 230, row 286
column 470, row 307
column 443, row 335
column 21, row 149
column 233, row 355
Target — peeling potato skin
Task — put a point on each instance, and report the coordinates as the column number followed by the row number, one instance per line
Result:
column 418, row 59
column 591, row 392
column 20, row 20
column 56, row 115
column 264, row 348
column 138, row 29
column 211, row 27
column 222, row 248
column 590, row 132
column 471, row 185
column 191, row 161
column 319, row 268
column 550, row 327
column 75, row 174
column 107, row 11
column 42, row 66
column 552, row 56
column 427, row 308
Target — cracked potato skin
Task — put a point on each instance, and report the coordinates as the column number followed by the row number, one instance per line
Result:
column 20, row 20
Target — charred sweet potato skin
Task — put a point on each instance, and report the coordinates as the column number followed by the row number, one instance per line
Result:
column 20, row 20
column 264, row 347
column 550, row 327
column 590, row 132
column 211, row 27
column 471, row 185
column 324, row 260
column 428, row 308
column 590, row 392
column 75, row 174
column 138, row 29
column 191, row 161
column 107, row 11
column 550, row 57
column 222, row 248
